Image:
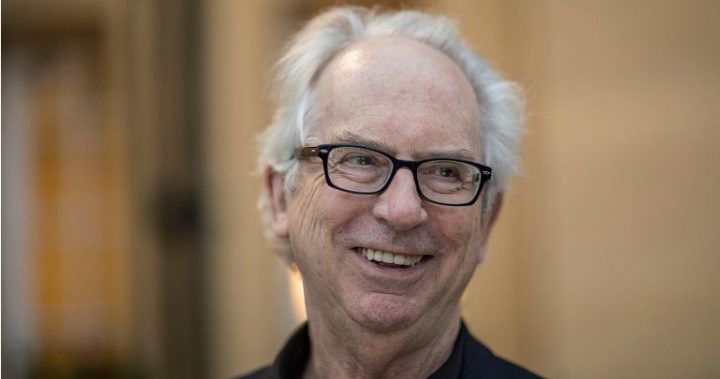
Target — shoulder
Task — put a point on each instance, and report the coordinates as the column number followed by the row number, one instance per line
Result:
column 506, row 369
column 261, row 373
column 290, row 362
column 480, row 362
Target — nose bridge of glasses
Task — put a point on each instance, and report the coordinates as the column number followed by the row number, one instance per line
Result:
column 399, row 164
column 410, row 165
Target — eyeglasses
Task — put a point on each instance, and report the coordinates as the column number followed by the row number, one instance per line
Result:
column 367, row 171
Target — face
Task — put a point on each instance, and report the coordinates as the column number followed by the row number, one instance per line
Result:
column 413, row 102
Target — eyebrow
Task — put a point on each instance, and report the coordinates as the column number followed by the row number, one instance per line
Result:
column 352, row 138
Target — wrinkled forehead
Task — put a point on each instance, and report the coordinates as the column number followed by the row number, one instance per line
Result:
column 382, row 82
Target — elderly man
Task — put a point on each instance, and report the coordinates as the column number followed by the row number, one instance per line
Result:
column 385, row 168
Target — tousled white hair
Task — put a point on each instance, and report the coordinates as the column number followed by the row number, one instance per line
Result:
column 328, row 34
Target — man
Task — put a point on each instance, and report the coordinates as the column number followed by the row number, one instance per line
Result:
column 385, row 168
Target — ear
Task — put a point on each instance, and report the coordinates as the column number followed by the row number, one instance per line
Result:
column 492, row 215
column 277, row 202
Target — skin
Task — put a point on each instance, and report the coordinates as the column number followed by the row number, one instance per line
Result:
column 367, row 321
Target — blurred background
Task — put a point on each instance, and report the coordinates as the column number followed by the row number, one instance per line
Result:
column 131, row 243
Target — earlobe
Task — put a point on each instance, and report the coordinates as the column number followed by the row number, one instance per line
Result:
column 277, row 202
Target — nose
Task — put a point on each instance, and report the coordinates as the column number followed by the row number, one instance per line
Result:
column 400, row 206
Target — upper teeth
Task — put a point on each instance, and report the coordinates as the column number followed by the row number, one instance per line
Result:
column 387, row 257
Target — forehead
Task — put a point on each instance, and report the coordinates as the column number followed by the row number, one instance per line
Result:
column 397, row 92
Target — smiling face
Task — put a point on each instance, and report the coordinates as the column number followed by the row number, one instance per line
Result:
column 413, row 102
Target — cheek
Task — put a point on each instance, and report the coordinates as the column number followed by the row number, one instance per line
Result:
column 316, row 213
column 304, row 211
column 463, row 230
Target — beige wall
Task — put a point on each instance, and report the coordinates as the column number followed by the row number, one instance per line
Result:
column 246, row 288
column 605, row 260
column 627, row 130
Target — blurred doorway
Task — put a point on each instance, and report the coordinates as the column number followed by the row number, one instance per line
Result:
column 102, row 229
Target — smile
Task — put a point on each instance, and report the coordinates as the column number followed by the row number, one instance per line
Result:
column 386, row 258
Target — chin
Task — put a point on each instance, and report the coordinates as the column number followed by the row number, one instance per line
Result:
column 385, row 313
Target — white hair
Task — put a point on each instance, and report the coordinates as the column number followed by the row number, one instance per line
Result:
column 329, row 33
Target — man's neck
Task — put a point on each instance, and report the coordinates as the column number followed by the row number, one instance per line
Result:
column 352, row 351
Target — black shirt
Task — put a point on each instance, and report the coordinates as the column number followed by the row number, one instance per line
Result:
column 469, row 359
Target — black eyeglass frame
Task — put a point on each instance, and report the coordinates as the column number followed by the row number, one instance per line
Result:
column 323, row 152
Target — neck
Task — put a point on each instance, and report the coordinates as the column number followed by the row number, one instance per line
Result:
column 350, row 350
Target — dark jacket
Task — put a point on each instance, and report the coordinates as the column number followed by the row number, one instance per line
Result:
column 469, row 359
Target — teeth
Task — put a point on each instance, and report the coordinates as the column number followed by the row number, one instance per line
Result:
column 387, row 257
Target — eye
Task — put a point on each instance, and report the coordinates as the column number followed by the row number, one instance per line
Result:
column 359, row 160
column 446, row 172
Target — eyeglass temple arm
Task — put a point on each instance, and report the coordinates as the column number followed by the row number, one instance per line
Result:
column 303, row 152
